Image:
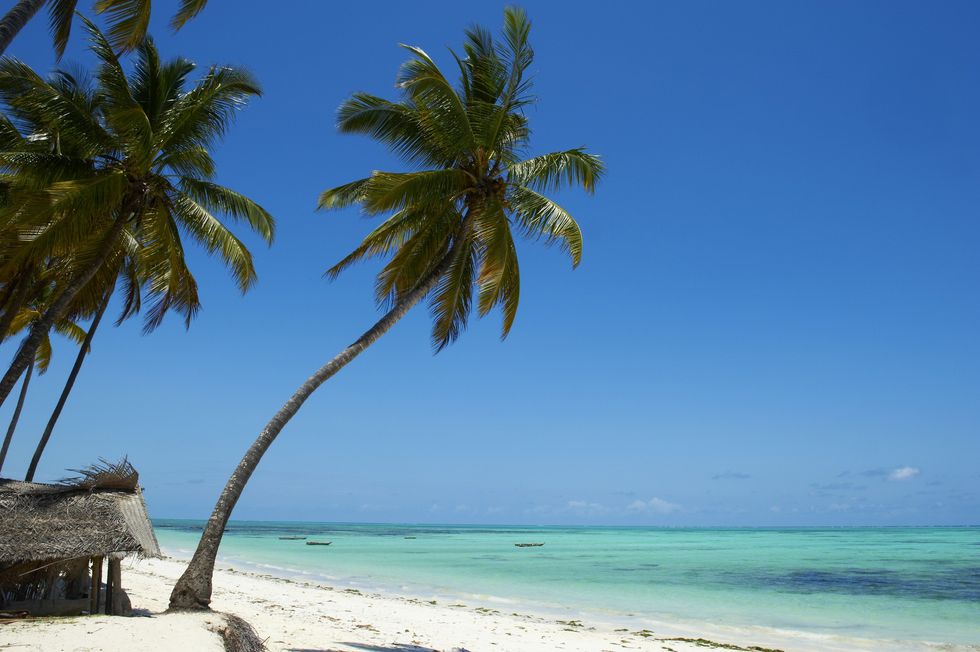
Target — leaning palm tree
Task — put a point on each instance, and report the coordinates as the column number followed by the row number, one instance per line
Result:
column 138, row 175
column 451, row 223
column 128, row 20
column 41, row 360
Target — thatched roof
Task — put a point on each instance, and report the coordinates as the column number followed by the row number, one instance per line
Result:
column 98, row 514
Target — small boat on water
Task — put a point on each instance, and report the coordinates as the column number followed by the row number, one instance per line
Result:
column 318, row 543
column 528, row 545
column 291, row 538
column 408, row 537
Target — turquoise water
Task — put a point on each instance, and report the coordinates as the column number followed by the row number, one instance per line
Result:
column 894, row 583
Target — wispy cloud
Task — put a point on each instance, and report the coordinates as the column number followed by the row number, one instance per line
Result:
column 654, row 505
column 903, row 473
column 731, row 475
column 875, row 473
column 897, row 474
column 837, row 486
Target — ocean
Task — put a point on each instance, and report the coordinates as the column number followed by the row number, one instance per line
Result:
column 916, row 584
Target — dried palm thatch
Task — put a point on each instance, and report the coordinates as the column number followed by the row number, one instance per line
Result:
column 105, row 475
column 97, row 514
column 239, row 636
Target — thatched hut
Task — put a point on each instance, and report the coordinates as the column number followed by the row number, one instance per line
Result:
column 54, row 539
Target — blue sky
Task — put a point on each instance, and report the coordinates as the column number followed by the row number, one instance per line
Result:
column 776, row 320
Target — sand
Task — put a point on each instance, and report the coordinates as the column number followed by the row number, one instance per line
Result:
column 308, row 617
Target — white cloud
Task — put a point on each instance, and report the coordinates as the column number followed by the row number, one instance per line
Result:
column 903, row 473
column 655, row 505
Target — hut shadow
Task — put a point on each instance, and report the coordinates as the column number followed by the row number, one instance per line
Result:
column 367, row 647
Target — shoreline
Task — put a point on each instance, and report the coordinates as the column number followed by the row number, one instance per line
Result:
column 665, row 625
column 291, row 614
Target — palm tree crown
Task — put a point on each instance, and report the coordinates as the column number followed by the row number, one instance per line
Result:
column 471, row 187
column 78, row 155
column 104, row 179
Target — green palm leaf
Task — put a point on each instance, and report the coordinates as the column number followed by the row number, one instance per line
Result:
column 550, row 172
column 188, row 10
column 127, row 20
column 538, row 216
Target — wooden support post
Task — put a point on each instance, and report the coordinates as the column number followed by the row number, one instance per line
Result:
column 96, row 584
column 114, row 584
column 108, row 590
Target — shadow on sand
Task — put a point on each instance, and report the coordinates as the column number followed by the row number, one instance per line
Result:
column 368, row 647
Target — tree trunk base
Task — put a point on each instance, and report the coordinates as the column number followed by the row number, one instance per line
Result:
column 189, row 595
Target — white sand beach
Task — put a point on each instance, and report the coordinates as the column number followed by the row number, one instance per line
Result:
column 300, row 616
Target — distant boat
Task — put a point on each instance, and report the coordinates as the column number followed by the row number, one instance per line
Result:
column 528, row 545
column 318, row 543
column 408, row 537
column 291, row 538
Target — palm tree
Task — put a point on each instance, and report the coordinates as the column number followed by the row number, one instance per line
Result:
column 41, row 359
column 451, row 224
column 128, row 20
column 83, row 350
column 126, row 171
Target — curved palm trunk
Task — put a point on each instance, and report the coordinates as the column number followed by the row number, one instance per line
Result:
column 16, row 417
column 82, row 352
column 57, row 309
column 193, row 589
column 16, row 18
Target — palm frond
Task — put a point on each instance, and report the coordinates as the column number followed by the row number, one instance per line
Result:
column 549, row 172
column 60, row 14
column 188, row 10
column 421, row 78
column 343, row 196
column 390, row 236
column 451, row 299
column 202, row 115
column 71, row 330
column 499, row 277
column 215, row 237
column 42, row 356
column 538, row 216
column 402, row 127
column 128, row 21
column 394, row 190
column 417, row 258
column 234, row 204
